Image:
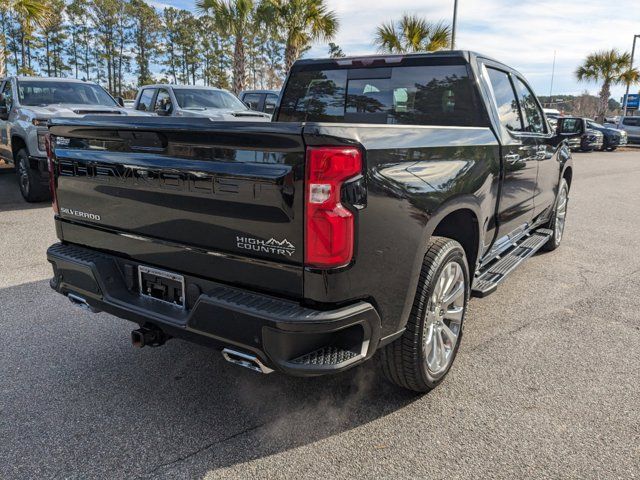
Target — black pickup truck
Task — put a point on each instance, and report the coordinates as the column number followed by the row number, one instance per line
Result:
column 386, row 191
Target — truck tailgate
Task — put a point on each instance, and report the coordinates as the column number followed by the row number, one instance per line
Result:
column 221, row 190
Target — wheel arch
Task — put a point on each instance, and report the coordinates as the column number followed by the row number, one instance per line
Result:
column 459, row 220
column 17, row 144
column 462, row 226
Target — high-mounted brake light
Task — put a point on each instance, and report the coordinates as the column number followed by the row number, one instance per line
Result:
column 52, row 177
column 329, row 226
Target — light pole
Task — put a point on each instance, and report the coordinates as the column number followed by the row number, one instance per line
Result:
column 626, row 95
column 453, row 28
column 553, row 73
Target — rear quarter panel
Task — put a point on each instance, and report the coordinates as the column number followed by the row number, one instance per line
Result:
column 415, row 176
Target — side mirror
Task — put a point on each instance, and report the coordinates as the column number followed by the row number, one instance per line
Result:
column 120, row 101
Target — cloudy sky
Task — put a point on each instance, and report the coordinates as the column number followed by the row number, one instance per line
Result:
column 521, row 33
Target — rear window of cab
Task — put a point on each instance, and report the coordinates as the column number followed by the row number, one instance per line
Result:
column 398, row 95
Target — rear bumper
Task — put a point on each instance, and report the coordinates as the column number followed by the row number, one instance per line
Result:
column 283, row 334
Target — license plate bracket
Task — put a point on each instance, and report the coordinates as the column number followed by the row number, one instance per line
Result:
column 162, row 286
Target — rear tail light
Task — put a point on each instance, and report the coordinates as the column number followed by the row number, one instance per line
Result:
column 329, row 226
column 52, row 177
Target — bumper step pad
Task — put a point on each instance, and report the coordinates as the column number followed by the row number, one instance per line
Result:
column 488, row 279
column 325, row 356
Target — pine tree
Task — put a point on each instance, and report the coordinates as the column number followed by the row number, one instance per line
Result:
column 171, row 60
column 146, row 29
column 54, row 37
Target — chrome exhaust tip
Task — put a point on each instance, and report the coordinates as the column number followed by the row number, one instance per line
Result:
column 80, row 302
column 245, row 360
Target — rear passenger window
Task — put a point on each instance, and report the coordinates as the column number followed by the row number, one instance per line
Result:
column 505, row 99
column 252, row 100
column 534, row 120
column 270, row 103
column 145, row 100
column 631, row 122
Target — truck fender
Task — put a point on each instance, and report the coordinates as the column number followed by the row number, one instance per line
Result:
column 462, row 202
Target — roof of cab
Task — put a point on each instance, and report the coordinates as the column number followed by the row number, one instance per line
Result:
column 465, row 54
column 50, row 79
column 259, row 91
column 179, row 87
column 389, row 59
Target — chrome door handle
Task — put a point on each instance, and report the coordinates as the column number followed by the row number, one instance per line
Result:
column 512, row 157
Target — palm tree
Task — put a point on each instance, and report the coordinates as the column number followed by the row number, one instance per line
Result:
column 302, row 23
column 610, row 67
column 31, row 14
column 412, row 34
column 237, row 18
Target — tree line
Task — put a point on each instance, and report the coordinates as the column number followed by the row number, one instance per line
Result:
column 235, row 44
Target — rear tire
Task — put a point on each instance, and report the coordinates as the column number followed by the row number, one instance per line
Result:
column 558, row 219
column 30, row 187
column 421, row 358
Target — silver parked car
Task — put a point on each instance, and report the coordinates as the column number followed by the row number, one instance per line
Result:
column 195, row 101
column 631, row 125
column 26, row 105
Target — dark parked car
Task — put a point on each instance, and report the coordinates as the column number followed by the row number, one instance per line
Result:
column 386, row 192
column 585, row 139
column 612, row 137
column 261, row 100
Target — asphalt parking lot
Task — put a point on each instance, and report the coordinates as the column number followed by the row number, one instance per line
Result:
column 546, row 385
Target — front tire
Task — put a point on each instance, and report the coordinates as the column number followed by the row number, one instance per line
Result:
column 30, row 187
column 422, row 357
column 558, row 219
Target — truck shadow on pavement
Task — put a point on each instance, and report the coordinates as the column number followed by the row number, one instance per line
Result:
column 104, row 408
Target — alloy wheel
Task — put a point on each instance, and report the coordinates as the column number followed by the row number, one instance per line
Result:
column 561, row 213
column 444, row 318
